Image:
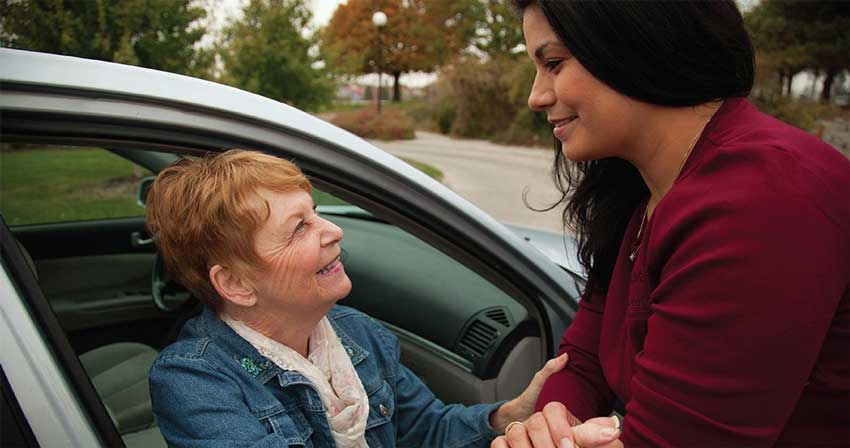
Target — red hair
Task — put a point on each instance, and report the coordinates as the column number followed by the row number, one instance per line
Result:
column 206, row 212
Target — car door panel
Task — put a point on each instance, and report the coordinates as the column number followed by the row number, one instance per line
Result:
column 98, row 290
column 97, row 280
column 79, row 238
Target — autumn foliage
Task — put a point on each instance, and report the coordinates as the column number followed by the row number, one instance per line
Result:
column 420, row 35
column 391, row 124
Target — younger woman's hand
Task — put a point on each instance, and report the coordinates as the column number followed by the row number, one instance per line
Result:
column 551, row 429
column 522, row 407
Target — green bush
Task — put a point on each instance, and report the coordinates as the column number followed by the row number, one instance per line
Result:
column 391, row 124
column 421, row 112
column 789, row 111
column 799, row 113
column 527, row 127
column 437, row 111
column 480, row 93
column 488, row 99
column 445, row 117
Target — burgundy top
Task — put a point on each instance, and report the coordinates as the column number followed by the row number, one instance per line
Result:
column 730, row 329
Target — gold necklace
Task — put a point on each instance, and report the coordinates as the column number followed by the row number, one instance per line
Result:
column 636, row 245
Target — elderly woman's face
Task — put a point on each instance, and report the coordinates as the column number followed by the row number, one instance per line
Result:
column 302, row 250
column 591, row 120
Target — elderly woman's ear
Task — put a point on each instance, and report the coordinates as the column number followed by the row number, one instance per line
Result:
column 232, row 287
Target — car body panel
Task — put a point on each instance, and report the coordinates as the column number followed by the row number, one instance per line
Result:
column 50, row 400
column 51, row 388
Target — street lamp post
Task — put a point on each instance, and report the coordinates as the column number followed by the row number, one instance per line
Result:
column 379, row 19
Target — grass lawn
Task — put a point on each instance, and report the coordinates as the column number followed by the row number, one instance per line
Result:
column 341, row 107
column 425, row 168
column 385, row 104
column 70, row 184
column 63, row 184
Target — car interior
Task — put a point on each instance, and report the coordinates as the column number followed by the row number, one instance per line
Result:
column 77, row 214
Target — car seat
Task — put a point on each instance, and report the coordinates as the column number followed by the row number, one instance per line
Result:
column 119, row 373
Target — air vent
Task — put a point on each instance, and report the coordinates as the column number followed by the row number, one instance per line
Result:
column 499, row 315
column 479, row 337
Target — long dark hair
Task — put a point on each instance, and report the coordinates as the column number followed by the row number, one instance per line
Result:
column 676, row 53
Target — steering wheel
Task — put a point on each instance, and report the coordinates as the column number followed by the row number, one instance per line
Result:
column 168, row 295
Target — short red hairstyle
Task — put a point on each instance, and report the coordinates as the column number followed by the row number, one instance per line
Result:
column 206, row 212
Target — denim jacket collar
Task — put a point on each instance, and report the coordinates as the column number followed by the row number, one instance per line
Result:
column 256, row 365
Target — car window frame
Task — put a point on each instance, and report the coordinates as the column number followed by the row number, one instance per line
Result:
column 13, row 417
column 46, row 114
column 67, row 395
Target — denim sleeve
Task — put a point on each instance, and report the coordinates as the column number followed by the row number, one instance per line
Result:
column 424, row 420
column 195, row 406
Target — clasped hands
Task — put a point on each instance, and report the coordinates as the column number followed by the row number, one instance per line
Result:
column 554, row 426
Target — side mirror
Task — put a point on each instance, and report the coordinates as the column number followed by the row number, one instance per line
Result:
column 142, row 191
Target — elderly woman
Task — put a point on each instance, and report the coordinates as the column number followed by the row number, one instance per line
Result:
column 272, row 360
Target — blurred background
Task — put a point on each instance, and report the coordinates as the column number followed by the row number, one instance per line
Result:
column 455, row 67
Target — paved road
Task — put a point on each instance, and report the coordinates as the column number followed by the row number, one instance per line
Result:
column 491, row 176
column 836, row 132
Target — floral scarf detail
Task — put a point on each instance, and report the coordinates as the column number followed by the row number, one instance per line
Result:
column 331, row 372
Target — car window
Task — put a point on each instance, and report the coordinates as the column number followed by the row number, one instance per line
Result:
column 42, row 184
column 322, row 198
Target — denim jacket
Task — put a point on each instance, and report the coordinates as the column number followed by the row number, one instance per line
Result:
column 211, row 388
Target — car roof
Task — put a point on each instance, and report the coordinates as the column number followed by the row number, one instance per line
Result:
column 58, row 71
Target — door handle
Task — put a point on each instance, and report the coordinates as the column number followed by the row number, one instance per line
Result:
column 136, row 240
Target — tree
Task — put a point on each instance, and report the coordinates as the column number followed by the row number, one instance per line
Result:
column 498, row 28
column 266, row 53
column 419, row 35
column 160, row 34
column 792, row 36
column 829, row 32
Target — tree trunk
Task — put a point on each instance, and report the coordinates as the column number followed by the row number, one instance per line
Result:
column 396, row 87
column 791, row 75
column 814, row 84
column 827, row 84
column 781, row 85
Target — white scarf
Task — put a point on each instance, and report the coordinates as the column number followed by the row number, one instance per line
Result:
column 331, row 372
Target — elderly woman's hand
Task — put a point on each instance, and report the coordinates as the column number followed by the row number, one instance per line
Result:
column 551, row 428
column 521, row 407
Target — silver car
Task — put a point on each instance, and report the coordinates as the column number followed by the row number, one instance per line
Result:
column 85, row 303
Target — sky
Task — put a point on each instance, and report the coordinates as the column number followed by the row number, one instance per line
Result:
column 322, row 9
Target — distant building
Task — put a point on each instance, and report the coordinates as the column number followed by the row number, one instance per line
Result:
column 351, row 93
column 358, row 93
column 411, row 93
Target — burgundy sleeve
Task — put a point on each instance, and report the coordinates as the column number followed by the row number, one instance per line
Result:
column 581, row 387
column 749, row 288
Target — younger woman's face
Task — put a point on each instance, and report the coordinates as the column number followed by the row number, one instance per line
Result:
column 591, row 120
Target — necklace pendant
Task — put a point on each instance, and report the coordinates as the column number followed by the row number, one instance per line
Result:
column 633, row 255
